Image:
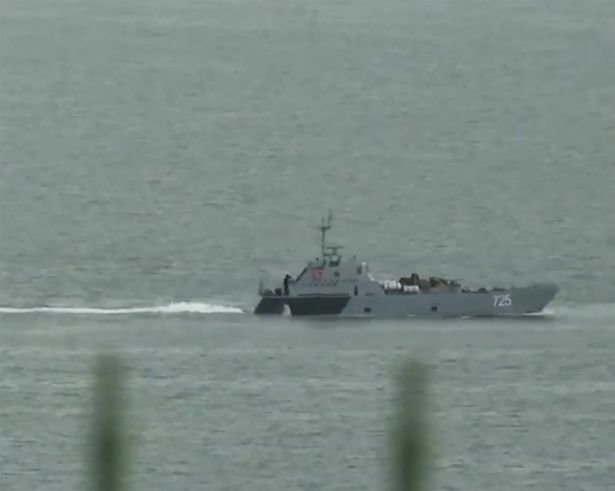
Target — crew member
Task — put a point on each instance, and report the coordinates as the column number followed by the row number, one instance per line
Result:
column 287, row 278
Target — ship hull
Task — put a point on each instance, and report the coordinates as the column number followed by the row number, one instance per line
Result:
column 511, row 302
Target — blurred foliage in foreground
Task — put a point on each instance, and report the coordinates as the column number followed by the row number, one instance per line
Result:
column 108, row 445
column 408, row 433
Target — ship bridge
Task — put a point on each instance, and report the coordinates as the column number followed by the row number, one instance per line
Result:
column 330, row 274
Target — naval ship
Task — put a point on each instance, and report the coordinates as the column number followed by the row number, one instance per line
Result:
column 332, row 286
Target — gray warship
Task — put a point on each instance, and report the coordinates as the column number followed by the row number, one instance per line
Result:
column 332, row 286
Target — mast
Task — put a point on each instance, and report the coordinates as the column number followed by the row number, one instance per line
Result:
column 324, row 226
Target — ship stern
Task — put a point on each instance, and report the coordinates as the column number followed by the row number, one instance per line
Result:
column 270, row 305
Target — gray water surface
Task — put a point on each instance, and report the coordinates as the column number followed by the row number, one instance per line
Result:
column 157, row 158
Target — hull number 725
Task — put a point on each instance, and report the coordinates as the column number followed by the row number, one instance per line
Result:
column 502, row 301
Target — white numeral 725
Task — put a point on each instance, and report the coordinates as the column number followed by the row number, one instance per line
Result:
column 502, row 301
